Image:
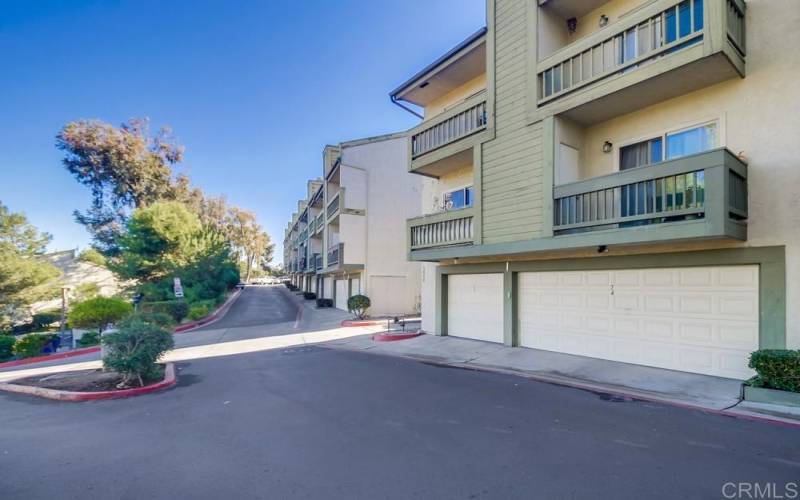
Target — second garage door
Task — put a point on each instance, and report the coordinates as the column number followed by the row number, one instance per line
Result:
column 475, row 306
column 694, row 319
column 341, row 294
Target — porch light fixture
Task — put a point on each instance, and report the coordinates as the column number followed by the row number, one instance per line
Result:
column 572, row 24
column 602, row 249
column 607, row 147
column 603, row 20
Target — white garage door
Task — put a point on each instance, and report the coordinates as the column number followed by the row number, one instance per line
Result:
column 475, row 306
column 341, row 294
column 693, row 319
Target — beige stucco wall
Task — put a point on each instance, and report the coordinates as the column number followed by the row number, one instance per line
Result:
column 455, row 96
column 392, row 196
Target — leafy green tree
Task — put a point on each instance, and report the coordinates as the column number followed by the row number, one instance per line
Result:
column 25, row 277
column 125, row 167
column 249, row 240
column 98, row 312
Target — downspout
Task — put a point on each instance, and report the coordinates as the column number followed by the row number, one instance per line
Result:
column 398, row 103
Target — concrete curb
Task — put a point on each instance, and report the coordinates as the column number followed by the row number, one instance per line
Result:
column 392, row 337
column 51, row 357
column 211, row 318
column 169, row 380
column 365, row 322
column 587, row 386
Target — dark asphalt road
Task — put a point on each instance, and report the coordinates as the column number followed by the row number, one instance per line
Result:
column 257, row 305
column 316, row 423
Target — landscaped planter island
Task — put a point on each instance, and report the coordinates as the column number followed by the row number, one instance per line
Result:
column 778, row 379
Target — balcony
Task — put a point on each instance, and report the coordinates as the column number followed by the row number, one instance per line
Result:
column 319, row 224
column 317, row 262
column 662, row 50
column 446, row 140
column 702, row 195
column 333, row 205
column 335, row 254
column 441, row 230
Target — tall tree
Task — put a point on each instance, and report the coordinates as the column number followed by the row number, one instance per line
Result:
column 125, row 167
column 249, row 240
column 25, row 276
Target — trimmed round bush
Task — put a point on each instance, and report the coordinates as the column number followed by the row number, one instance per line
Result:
column 358, row 305
column 6, row 347
column 135, row 347
column 776, row 368
column 88, row 339
column 198, row 311
column 96, row 313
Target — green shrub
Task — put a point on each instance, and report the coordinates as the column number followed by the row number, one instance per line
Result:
column 309, row 295
column 6, row 346
column 88, row 339
column 358, row 305
column 165, row 321
column 177, row 309
column 135, row 347
column 96, row 313
column 44, row 319
column 92, row 256
column 776, row 369
column 31, row 345
column 198, row 311
column 324, row 303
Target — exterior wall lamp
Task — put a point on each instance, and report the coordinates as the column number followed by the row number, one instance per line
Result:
column 607, row 147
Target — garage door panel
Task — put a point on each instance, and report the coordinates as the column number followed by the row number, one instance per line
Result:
column 701, row 320
column 475, row 306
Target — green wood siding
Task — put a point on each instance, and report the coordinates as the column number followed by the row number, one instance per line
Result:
column 512, row 170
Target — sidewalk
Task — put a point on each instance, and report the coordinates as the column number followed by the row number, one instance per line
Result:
column 625, row 380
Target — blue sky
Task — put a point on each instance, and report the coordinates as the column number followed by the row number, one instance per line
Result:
column 253, row 89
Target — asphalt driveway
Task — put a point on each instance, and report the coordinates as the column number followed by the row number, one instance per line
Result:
column 311, row 422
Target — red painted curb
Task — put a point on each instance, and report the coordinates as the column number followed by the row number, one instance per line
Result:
column 169, row 380
column 391, row 337
column 50, row 357
column 218, row 314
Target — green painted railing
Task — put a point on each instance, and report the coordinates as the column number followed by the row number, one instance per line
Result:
column 443, row 229
column 628, row 44
column 452, row 125
column 671, row 191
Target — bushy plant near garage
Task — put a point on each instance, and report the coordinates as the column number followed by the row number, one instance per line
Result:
column 358, row 305
column 135, row 348
column 776, row 369
column 309, row 295
column 324, row 303
column 31, row 345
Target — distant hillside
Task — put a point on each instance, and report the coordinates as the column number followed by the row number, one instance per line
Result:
column 81, row 277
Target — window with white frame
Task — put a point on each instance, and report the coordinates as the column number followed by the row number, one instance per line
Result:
column 669, row 146
column 460, row 198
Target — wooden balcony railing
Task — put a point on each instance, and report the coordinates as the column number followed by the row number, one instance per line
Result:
column 665, row 27
column 453, row 125
column 444, row 229
column 675, row 190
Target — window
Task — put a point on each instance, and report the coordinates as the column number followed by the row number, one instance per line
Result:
column 460, row 198
column 669, row 146
column 691, row 141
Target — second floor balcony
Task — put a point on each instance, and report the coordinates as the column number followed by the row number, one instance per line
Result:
column 699, row 196
column 449, row 228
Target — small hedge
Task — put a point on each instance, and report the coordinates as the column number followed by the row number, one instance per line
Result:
column 358, row 305
column 31, row 345
column 177, row 309
column 89, row 339
column 776, row 368
column 6, row 347
column 324, row 303
column 44, row 319
column 135, row 348
column 199, row 311
column 309, row 295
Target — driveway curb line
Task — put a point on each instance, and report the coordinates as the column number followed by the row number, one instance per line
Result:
column 211, row 318
column 169, row 380
column 586, row 386
column 50, row 357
